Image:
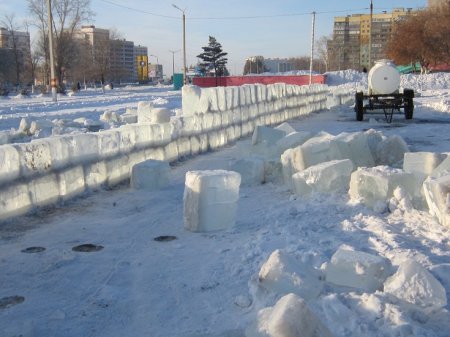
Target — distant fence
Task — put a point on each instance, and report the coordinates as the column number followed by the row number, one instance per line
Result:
column 229, row 81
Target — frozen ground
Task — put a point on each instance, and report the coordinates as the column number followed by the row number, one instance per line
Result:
column 205, row 284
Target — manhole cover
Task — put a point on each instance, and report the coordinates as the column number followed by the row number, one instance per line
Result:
column 87, row 248
column 165, row 238
column 7, row 302
column 32, row 250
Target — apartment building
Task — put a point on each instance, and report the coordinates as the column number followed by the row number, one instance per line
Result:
column 358, row 41
column 14, row 45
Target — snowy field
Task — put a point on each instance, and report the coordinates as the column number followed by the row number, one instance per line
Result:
column 208, row 284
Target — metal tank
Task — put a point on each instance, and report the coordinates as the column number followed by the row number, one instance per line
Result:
column 384, row 78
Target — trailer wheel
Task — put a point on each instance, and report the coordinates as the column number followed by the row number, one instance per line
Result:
column 359, row 106
column 408, row 104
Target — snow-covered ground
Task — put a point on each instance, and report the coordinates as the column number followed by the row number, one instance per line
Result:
column 207, row 284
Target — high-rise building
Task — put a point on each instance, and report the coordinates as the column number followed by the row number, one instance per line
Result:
column 354, row 34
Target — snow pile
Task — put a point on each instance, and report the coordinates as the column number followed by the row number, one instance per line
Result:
column 414, row 284
column 289, row 317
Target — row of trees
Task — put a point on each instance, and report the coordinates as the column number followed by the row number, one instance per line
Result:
column 424, row 38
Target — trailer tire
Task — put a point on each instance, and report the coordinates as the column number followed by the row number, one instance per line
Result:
column 359, row 106
column 408, row 104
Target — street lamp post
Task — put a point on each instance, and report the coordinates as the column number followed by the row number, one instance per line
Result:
column 50, row 47
column 184, row 42
column 173, row 60
column 370, row 34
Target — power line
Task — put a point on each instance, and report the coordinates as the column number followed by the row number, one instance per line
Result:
column 252, row 17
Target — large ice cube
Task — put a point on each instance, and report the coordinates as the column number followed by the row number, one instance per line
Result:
column 375, row 186
column 160, row 115
column 292, row 140
column 354, row 146
column 144, row 112
column 44, row 190
column 422, row 163
column 15, row 200
column 250, row 169
column 283, row 273
column 314, row 151
column 289, row 317
column 357, row 269
column 324, row 177
column 391, row 151
column 210, row 199
column 150, row 175
column 414, row 284
column 437, row 195
column 190, row 99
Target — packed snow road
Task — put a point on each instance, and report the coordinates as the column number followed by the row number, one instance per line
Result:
column 206, row 284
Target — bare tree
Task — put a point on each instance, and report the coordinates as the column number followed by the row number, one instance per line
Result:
column 9, row 22
column 322, row 51
column 67, row 16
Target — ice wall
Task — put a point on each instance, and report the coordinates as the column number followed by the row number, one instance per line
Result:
column 50, row 169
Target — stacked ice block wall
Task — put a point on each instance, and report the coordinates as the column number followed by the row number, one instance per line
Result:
column 51, row 169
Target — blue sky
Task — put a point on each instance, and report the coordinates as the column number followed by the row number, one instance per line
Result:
column 278, row 28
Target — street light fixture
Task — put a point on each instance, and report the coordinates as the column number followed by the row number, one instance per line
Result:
column 184, row 42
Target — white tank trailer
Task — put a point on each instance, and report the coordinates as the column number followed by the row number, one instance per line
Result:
column 384, row 95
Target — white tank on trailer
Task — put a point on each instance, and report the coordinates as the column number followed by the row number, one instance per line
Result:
column 384, row 78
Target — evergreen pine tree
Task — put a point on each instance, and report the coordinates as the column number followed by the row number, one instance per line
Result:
column 214, row 57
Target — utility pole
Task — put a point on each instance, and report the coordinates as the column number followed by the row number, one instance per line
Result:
column 184, row 42
column 173, row 61
column 50, row 47
column 312, row 46
column 370, row 34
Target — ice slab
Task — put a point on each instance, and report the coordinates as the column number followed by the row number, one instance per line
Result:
column 414, row 284
column 444, row 166
column 150, row 175
column 324, row 177
column 263, row 135
column 289, row 317
column 422, row 163
column 437, row 195
column 44, row 190
column 375, row 186
column 283, row 273
column 129, row 117
column 210, row 200
column 71, row 182
column 286, row 127
column 250, row 169
column 15, row 200
column 357, row 269
column 391, row 151
column 111, row 117
column 287, row 166
column 9, row 163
